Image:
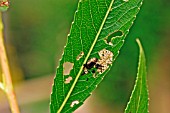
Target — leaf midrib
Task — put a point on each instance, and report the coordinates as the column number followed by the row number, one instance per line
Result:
column 140, row 92
column 79, row 73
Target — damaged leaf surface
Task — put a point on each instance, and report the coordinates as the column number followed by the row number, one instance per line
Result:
column 86, row 47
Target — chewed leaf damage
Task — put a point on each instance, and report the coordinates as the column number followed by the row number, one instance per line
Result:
column 106, row 58
column 80, row 55
column 95, row 65
column 97, row 34
column 68, row 80
column 68, row 66
column 74, row 103
column 112, row 36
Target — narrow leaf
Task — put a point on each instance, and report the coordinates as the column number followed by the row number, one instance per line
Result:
column 139, row 98
column 97, row 34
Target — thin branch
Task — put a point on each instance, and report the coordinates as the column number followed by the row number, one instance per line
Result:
column 7, row 82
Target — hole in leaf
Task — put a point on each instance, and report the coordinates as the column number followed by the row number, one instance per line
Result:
column 115, row 34
column 80, row 55
column 67, row 68
column 74, row 103
column 68, row 80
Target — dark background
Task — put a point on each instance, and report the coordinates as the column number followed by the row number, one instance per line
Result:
column 35, row 35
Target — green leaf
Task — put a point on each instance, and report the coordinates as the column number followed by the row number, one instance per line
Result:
column 139, row 98
column 99, row 26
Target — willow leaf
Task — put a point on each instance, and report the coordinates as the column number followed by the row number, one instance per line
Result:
column 139, row 98
column 99, row 25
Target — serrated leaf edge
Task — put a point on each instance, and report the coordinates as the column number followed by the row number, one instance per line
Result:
column 141, row 54
column 86, row 58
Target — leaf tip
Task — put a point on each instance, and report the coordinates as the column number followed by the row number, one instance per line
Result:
column 140, row 45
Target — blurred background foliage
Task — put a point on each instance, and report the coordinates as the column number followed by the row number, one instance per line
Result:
column 35, row 35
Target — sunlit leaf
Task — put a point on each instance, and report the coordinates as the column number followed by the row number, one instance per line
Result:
column 97, row 34
column 139, row 98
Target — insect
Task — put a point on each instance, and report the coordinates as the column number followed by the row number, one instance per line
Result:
column 92, row 63
column 99, row 65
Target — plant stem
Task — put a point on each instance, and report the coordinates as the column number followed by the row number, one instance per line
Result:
column 7, row 82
